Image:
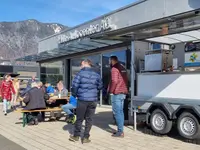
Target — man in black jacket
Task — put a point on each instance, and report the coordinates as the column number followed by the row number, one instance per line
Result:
column 34, row 99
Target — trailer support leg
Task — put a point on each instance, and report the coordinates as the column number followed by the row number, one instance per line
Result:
column 133, row 105
column 135, row 119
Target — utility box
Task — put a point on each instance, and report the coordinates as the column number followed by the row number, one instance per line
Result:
column 158, row 60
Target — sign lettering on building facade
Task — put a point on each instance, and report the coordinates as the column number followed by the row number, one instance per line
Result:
column 94, row 28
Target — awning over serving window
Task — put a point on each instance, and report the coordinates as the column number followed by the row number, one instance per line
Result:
column 69, row 48
column 177, row 38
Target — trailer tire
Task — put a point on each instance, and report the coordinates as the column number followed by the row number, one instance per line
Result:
column 159, row 122
column 188, row 126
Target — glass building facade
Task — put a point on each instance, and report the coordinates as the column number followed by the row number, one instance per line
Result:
column 52, row 72
column 76, row 63
column 101, row 64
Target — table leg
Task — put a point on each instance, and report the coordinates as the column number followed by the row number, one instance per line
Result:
column 24, row 119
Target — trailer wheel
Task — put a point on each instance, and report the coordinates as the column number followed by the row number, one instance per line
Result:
column 188, row 126
column 159, row 122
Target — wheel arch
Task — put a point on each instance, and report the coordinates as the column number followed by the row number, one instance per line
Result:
column 195, row 110
column 165, row 107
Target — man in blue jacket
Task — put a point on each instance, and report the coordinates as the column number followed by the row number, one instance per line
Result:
column 85, row 87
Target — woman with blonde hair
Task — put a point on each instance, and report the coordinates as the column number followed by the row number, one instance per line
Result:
column 15, row 96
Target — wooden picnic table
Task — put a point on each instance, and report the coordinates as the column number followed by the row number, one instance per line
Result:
column 55, row 98
column 24, row 111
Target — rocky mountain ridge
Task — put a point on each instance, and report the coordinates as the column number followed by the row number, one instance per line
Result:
column 18, row 39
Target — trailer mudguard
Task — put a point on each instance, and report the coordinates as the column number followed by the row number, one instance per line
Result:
column 165, row 107
column 187, row 108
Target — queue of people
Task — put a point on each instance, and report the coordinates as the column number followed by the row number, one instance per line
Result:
column 84, row 97
column 86, row 85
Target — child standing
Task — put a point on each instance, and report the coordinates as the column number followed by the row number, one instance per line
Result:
column 6, row 92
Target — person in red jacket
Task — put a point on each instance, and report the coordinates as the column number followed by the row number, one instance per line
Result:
column 118, row 89
column 6, row 92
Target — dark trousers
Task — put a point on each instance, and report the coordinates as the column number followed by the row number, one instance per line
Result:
column 85, row 110
column 42, row 116
column 31, row 116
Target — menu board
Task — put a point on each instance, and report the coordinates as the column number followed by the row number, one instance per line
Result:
column 192, row 47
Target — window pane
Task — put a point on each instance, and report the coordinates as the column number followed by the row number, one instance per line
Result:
column 76, row 63
column 52, row 72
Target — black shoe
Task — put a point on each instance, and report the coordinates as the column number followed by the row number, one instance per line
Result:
column 86, row 140
column 74, row 138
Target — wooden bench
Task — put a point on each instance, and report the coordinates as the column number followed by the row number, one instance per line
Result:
column 24, row 116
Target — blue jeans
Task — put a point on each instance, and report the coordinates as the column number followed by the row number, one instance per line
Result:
column 67, row 108
column 118, row 110
column 5, row 105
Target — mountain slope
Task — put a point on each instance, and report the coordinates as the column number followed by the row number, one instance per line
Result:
column 18, row 39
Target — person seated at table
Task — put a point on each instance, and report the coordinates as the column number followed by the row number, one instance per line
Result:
column 49, row 89
column 53, row 102
column 34, row 100
column 68, row 107
column 61, row 88
column 46, row 98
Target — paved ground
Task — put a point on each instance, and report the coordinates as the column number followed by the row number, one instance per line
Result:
column 6, row 144
column 54, row 136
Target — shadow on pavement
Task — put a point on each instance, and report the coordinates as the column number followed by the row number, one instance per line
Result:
column 6, row 144
column 69, row 128
column 172, row 134
column 101, row 120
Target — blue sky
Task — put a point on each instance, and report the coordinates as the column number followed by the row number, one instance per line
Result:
column 67, row 12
